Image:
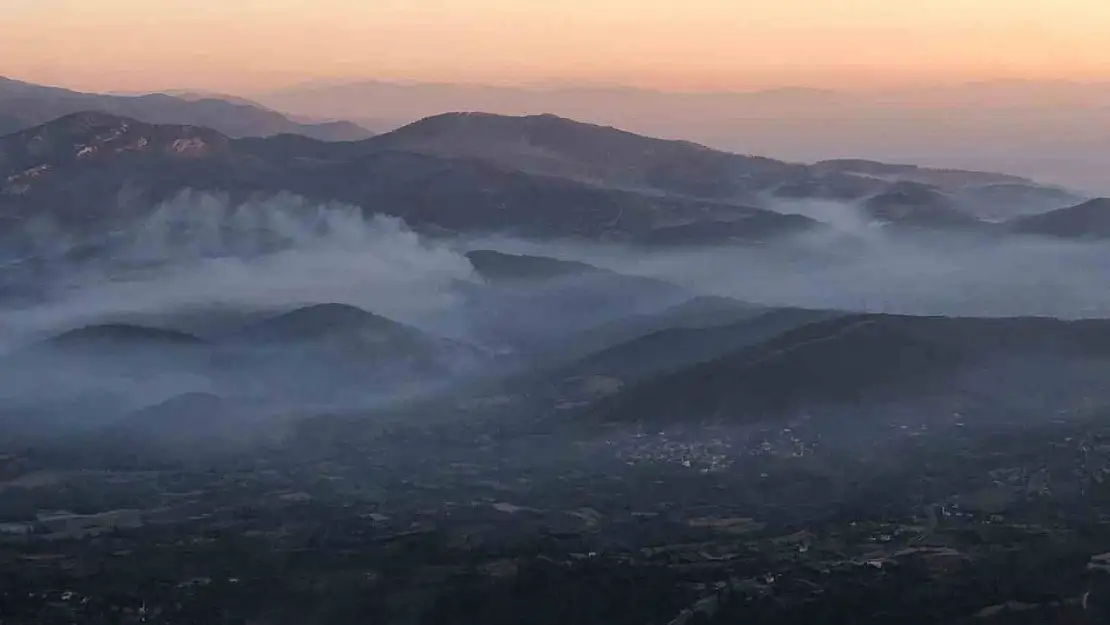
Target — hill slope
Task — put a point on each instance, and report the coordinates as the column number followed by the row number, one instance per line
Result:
column 856, row 360
column 551, row 145
column 536, row 176
column 79, row 166
column 1089, row 220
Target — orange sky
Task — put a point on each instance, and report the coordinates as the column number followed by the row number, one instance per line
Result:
column 248, row 45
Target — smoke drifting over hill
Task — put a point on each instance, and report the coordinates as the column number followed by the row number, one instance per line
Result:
column 198, row 252
column 858, row 263
column 283, row 338
column 361, row 294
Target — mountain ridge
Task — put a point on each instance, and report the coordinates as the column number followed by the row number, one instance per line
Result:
column 459, row 193
column 460, row 172
column 25, row 105
column 1088, row 220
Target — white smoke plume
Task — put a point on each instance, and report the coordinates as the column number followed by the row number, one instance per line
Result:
column 201, row 252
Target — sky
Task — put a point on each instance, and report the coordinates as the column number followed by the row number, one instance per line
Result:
column 250, row 46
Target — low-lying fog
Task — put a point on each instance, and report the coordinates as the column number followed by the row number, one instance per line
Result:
column 216, row 272
column 198, row 252
column 860, row 265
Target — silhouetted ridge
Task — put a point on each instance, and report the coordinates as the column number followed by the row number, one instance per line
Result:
column 1089, row 220
column 760, row 226
column 494, row 265
column 544, row 129
column 555, row 146
column 1013, row 200
column 941, row 177
column 323, row 321
column 540, row 176
column 119, row 334
column 918, row 205
column 59, row 148
column 28, row 105
column 695, row 334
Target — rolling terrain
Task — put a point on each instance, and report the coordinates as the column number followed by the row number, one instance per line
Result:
column 487, row 361
column 538, row 176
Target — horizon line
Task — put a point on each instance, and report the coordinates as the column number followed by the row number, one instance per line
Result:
column 563, row 85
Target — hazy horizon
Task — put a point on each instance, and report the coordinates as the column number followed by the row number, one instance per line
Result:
column 1021, row 87
column 585, row 85
column 704, row 45
column 1050, row 131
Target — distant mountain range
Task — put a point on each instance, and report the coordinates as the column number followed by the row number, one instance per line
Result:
column 1052, row 131
column 349, row 99
column 24, row 105
column 474, row 172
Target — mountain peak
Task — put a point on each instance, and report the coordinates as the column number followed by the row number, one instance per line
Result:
column 30, row 156
column 93, row 121
column 95, row 129
column 90, row 120
column 550, row 145
column 479, row 121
